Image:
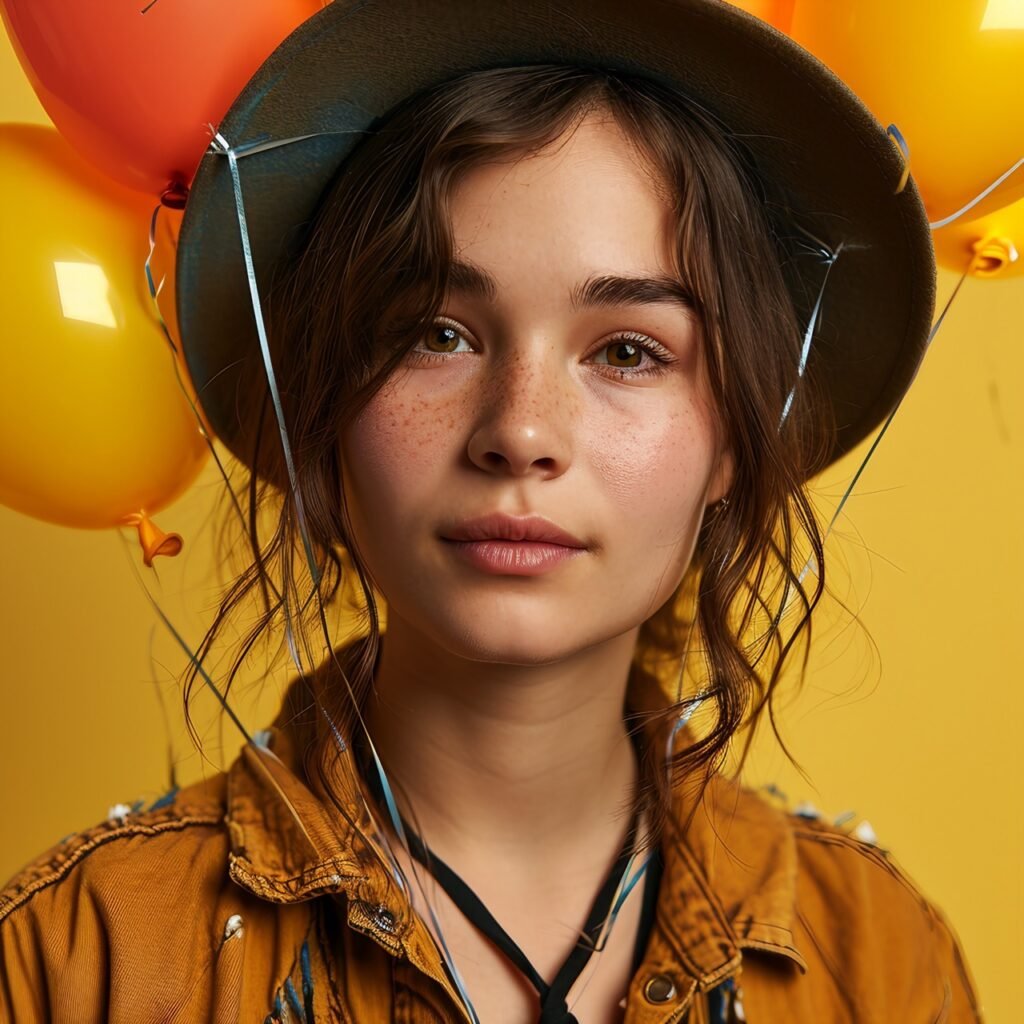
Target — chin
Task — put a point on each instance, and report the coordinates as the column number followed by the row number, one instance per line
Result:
column 510, row 633
column 497, row 643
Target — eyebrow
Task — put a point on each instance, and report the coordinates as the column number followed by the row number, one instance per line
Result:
column 596, row 291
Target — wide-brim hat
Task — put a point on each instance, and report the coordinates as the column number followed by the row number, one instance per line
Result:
column 352, row 62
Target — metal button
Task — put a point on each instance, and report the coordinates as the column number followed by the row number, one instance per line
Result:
column 376, row 914
column 660, row 989
column 383, row 918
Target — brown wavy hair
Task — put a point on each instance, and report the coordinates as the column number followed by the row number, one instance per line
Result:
column 368, row 278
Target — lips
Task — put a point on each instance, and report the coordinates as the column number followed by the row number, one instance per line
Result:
column 502, row 527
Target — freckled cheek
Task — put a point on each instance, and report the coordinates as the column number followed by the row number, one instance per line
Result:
column 399, row 444
column 653, row 467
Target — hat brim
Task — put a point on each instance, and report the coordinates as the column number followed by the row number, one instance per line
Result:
column 352, row 62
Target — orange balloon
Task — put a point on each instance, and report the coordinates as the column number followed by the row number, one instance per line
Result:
column 132, row 85
column 776, row 12
column 94, row 425
column 161, row 269
column 991, row 246
column 948, row 75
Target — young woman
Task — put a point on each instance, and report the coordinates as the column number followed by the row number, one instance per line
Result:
column 537, row 362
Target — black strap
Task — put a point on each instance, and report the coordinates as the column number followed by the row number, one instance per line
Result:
column 652, row 885
column 553, row 997
column 553, row 1004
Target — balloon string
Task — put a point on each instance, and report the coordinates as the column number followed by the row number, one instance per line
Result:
column 901, row 143
column 829, row 258
column 154, row 292
column 155, row 289
column 935, row 225
column 224, row 147
column 183, row 645
column 809, row 566
column 260, row 144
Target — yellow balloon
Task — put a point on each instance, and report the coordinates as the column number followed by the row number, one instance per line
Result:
column 950, row 76
column 95, row 429
column 990, row 246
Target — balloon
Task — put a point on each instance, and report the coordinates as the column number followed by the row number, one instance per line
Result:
column 948, row 75
column 95, row 429
column 990, row 246
column 161, row 269
column 132, row 86
column 776, row 12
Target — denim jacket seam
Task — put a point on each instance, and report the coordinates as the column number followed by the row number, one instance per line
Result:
column 317, row 880
column 66, row 856
column 870, row 853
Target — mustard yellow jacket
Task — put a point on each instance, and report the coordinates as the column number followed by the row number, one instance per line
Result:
column 248, row 898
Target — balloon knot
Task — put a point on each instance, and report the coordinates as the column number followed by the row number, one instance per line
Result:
column 152, row 539
column 991, row 255
column 175, row 195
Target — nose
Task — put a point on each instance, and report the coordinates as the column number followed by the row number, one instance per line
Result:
column 525, row 421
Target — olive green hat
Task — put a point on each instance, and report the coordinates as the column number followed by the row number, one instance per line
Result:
column 352, row 62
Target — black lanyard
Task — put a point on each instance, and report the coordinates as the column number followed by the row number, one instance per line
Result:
column 553, row 1006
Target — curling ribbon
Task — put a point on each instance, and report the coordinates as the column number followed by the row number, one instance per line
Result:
column 936, row 224
column 234, row 153
column 811, row 564
column 152, row 539
column 829, row 259
column 903, row 148
column 180, row 640
column 897, row 139
column 177, row 361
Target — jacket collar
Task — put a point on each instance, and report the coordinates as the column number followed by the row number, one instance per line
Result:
column 728, row 883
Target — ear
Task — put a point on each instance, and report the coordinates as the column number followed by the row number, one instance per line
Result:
column 721, row 478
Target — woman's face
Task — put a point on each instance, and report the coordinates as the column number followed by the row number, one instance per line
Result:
column 554, row 385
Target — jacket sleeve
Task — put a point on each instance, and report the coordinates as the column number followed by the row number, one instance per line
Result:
column 962, row 1005
column 119, row 922
column 23, row 988
column 42, row 932
column 874, row 942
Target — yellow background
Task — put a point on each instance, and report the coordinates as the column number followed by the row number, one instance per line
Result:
column 910, row 717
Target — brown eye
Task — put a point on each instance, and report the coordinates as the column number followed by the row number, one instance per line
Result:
column 624, row 353
column 635, row 356
column 442, row 338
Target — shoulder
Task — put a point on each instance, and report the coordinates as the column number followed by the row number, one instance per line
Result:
column 828, row 898
column 866, row 926
column 103, row 900
column 183, row 828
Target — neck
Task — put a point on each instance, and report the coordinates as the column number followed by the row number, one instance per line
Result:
column 530, row 760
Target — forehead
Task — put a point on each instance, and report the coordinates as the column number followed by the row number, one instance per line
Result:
column 587, row 202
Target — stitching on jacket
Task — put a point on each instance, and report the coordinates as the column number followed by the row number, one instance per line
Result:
column 935, row 918
column 870, row 853
column 52, row 867
column 763, row 946
column 323, row 878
